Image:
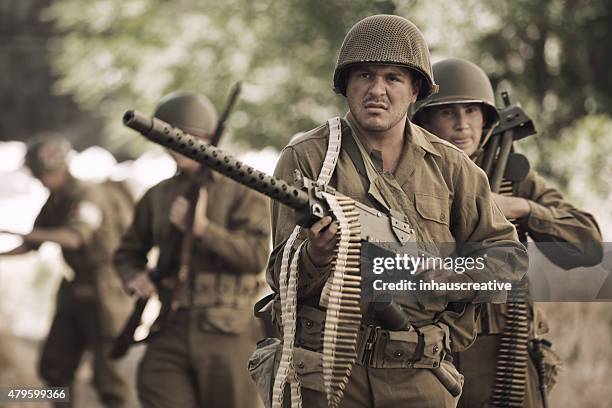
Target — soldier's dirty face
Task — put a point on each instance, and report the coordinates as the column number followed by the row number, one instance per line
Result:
column 458, row 123
column 379, row 95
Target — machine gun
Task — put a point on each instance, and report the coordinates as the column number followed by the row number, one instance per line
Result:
column 181, row 245
column 305, row 196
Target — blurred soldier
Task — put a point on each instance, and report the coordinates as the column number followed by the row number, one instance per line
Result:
column 387, row 163
column 464, row 113
column 87, row 223
column 198, row 357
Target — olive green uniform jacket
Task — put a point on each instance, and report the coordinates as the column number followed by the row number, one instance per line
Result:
column 92, row 307
column 445, row 198
column 200, row 355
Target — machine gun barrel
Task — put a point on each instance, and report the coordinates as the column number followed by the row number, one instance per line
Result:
column 175, row 139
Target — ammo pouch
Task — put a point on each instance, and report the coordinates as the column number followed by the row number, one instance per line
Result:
column 224, row 289
column 263, row 365
column 424, row 347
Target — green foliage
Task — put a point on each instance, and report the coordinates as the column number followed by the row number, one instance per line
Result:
column 117, row 54
column 113, row 55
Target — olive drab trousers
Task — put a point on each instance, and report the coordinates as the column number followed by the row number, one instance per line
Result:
column 76, row 327
column 384, row 388
column 187, row 365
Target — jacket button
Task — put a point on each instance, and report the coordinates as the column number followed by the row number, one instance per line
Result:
column 300, row 365
column 398, row 354
column 308, row 323
column 436, row 348
column 442, row 216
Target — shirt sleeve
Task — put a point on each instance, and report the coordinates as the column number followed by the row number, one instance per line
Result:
column 86, row 217
column 568, row 236
column 131, row 256
column 245, row 243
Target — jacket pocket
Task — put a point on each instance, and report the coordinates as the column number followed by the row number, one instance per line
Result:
column 262, row 367
column 309, row 368
column 432, row 208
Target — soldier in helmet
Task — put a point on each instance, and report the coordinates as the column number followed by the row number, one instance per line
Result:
column 91, row 308
column 386, row 163
column 463, row 113
column 206, row 331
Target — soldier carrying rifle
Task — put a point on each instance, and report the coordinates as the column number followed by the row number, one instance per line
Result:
column 213, row 238
column 464, row 113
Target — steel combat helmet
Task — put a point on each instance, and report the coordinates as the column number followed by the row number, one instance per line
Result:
column 46, row 153
column 385, row 39
column 189, row 111
column 460, row 82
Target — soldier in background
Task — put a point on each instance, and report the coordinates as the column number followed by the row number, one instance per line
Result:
column 463, row 113
column 87, row 223
column 198, row 357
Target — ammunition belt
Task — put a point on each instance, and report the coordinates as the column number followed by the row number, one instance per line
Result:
column 511, row 371
column 288, row 284
column 343, row 297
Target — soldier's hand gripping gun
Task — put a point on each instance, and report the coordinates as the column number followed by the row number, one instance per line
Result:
column 181, row 249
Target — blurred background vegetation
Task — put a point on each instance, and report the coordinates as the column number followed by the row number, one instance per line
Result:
column 75, row 66
column 110, row 55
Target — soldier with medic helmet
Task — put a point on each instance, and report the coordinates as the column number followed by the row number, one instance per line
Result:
column 87, row 221
column 463, row 113
column 205, row 332
column 384, row 162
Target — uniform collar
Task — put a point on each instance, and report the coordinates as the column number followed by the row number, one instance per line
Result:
column 418, row 138
column 413, row 133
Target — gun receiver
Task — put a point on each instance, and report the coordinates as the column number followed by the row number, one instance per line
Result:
column 305, row 197
column 499, row 159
